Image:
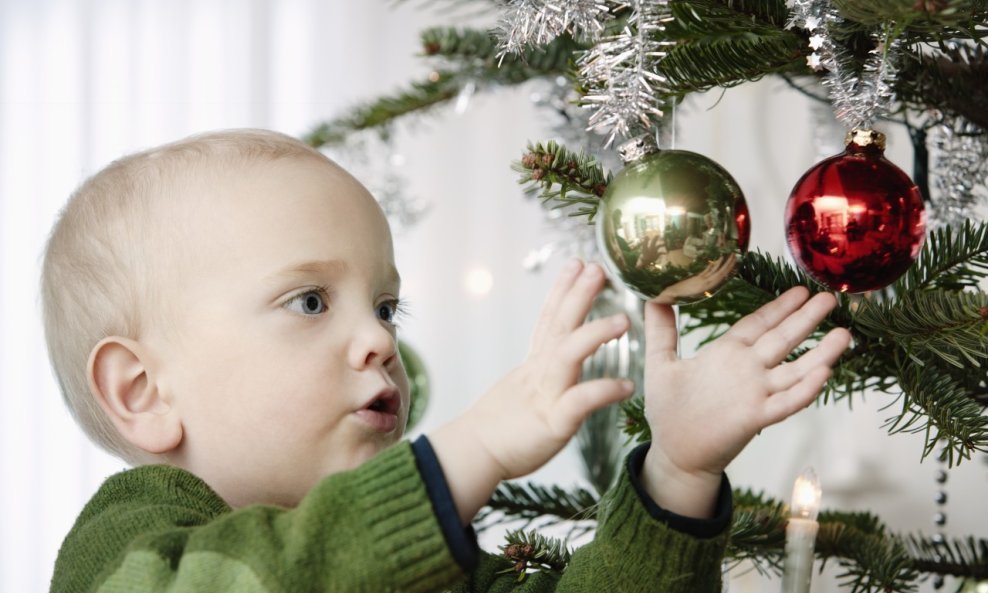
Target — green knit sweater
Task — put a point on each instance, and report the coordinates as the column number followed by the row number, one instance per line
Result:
column 372, row 529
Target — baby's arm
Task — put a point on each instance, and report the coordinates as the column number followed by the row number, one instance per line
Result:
column 703, row 410
column 530, row 415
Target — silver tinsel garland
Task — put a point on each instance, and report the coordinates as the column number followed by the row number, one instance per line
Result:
column 857, row 98
column 537, row 22
column 623, row 74
column 621, row 70
column 959, row 173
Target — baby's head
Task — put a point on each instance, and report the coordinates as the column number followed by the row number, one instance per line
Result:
column 226, row 304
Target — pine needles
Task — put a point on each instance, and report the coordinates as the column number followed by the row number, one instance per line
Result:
column 952, row 259
column 530, row 502
column 528, row 550
column 563, row 178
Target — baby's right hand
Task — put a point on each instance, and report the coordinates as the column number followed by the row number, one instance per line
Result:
column 530, row 414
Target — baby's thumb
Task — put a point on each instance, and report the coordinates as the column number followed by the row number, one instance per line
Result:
column 661, row 332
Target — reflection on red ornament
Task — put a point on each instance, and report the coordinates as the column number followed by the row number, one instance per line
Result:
column 744, row 223
column 855, row 222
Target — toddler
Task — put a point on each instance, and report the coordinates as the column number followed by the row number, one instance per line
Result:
column 220, row 313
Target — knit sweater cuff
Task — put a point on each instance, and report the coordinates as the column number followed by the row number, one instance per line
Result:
column 703, row 528
column 408, row 539
column 683, row 563
column 462, row 541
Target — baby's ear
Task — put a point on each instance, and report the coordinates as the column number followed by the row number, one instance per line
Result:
column 121, row 382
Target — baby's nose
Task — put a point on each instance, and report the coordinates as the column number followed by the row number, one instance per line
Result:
column 372, row 344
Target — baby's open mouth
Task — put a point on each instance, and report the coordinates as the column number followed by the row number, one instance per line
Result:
column 381, row 413
column 378, row 405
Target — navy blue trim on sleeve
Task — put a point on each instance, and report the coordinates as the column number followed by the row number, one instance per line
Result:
column 701, row 528
column 462, row 541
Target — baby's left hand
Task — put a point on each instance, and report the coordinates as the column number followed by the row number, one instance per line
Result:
column 703, row 410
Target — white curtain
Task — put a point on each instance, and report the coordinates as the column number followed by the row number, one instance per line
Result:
column 85, row 81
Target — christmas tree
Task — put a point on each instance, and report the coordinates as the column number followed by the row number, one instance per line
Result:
column 921, row 336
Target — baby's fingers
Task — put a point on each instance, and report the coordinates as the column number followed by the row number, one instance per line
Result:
column 777, row 343
column 585, row 398
column 567, row 359
column 798, row 383
column 550, row 308
column 568, row 305
column 751, row 327
column 825, row 354
column 576, row 303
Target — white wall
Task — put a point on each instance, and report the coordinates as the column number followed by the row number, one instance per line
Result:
column 84, row 81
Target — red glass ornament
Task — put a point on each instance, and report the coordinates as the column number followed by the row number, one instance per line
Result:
column 855, row 222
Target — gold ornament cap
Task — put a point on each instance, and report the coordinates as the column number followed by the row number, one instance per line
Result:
column 865, row 137
column 638, row 148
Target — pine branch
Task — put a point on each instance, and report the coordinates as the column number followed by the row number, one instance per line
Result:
column 757, row 532
column 468, row 56
column 702, row 17
column 865, row 368
column 459, row 45
column 951, row 259
column 527, row 550
column 939, row 406
column 966, row 557
column 529, row 501
column 727, row 43
column 869, row 562
column 951, row 80
column 728, row 60
column 952, row 326
column 474, row 52
column 635, row 424
column 952, row 17
column 423, row 95
column 564, row 178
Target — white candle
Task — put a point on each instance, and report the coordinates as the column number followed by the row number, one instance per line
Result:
column 801, row 533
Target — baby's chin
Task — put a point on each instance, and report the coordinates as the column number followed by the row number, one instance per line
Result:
column 374, row 444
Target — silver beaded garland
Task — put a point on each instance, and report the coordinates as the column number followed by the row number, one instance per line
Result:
column 940, row 517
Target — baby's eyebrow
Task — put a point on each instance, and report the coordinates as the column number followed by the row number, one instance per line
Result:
column 332, row 267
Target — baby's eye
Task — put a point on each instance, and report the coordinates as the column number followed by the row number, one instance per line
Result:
column 388, row 311
column 310, row 302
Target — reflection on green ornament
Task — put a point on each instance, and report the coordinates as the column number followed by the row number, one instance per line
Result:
column 975, row 587
column 418, row 383
column 672, row 225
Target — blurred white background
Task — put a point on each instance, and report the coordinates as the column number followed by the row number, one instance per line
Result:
column 85, row 81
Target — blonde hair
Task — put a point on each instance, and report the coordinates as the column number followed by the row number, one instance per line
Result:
column 99, row 270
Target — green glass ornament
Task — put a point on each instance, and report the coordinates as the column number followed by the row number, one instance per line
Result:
column 672, row 224
column 418, row 383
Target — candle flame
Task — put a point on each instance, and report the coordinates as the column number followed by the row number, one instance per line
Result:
column 806, row 495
